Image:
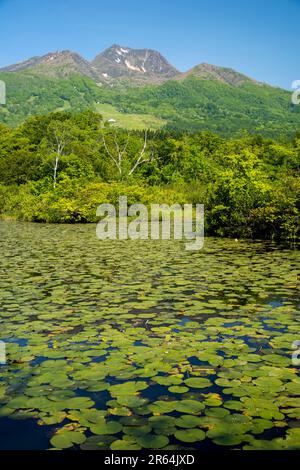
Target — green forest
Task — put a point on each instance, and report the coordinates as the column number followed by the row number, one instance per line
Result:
column 191, row 104
column 59, row 167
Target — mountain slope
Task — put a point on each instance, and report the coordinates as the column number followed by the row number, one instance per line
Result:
column 55, row 64
column 195, row 104
column 220, row 74
column 192, row 104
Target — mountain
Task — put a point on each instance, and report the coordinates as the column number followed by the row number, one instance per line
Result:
column 119, row 65
column 115, row 65
column 55, row 64
column 140, row 65
column 138, row 88
column 220, row 74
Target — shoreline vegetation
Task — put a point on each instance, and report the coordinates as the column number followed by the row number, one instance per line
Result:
column 59, row 168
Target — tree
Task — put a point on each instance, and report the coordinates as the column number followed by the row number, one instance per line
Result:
column 60, row 134
column 116, row 146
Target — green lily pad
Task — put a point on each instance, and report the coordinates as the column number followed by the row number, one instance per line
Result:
column 178, row 389
column 196, row 382
column 188, row 406
column 106, row 427
column 67, row 439
column 151, row 441
column 188, row 421
column 190, row 435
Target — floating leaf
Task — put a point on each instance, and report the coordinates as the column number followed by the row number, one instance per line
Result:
column 196, row 382
column 190, row 435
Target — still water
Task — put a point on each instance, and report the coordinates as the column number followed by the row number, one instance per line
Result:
column 142, row 344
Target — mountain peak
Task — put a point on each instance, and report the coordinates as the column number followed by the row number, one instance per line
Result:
column 58, row 63
column 221, row 74
column 124, row 62
column 123, row 65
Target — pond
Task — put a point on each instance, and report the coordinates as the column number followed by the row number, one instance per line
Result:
column 142, row 344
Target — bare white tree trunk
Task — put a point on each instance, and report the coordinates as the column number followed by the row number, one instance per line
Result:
column 55, row 171
column 141, row 158
column 117, row 156
column 119, row 153
column 59, row 142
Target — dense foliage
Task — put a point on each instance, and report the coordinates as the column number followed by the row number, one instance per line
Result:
column 192, row 104
column 205, row 105
column 250, row 186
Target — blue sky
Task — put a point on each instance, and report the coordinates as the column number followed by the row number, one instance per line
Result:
column 259, row 37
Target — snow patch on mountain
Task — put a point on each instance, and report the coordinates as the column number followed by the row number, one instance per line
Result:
column 132, row 67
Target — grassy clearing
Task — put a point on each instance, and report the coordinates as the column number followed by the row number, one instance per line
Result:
column 130, row 121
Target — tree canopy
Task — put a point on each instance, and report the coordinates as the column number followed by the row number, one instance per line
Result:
column 250, row 186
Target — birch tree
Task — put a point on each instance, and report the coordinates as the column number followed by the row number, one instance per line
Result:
column 116, row 149
column 144, row 156
column 59, row 136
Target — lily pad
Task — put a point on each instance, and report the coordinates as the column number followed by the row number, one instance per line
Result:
column 190, row 435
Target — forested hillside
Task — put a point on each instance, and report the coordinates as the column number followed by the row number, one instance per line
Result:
column 60, row 167
column 192, row 104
